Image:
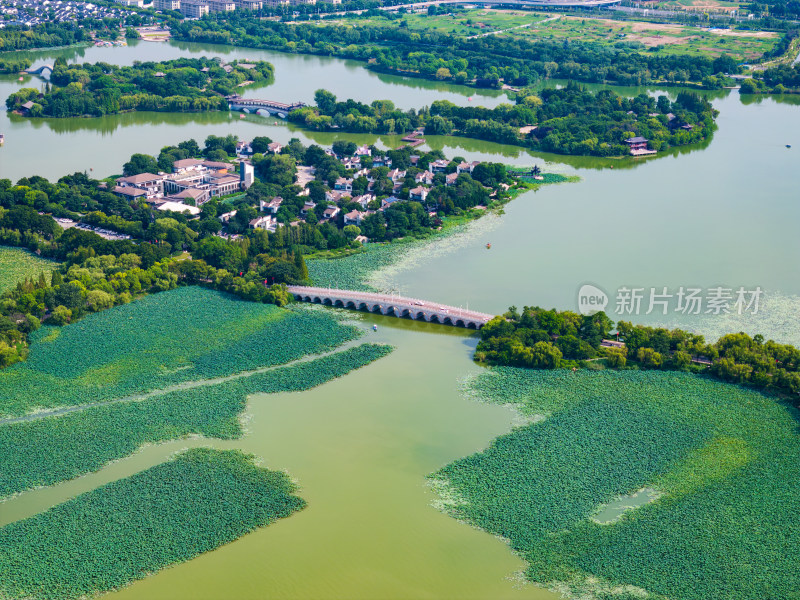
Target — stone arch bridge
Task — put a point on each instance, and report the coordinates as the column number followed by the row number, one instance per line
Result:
column 391, row 305
column 40, row 70
column 261, row 107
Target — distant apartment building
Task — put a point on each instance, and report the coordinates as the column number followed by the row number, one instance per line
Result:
column 221, row 5
column 193, row 9
column 275, row 3
column 136, row 3
column 250, row 4
column 167, row 4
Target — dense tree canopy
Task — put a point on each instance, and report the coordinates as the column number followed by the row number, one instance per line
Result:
column 181, row 85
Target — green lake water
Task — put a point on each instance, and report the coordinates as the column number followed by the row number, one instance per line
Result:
column 361, row 447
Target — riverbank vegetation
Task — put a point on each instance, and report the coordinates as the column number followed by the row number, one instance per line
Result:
column 487, row 61
column 180, row 85
column 570, row 120
column 9, row 66
column 129, row 529
column 549, row 339
column 781, row 79
column 46, row 35
column 719, row 462
column 82, row 441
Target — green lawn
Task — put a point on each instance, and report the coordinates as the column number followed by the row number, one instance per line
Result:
column 724, row 461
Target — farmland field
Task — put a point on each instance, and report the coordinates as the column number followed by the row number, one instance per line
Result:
column 126, row 530
column 45, row 451
column 663, row 39
column 16, row 264
column 668, row 39
column 159, row 341
column 721, row 464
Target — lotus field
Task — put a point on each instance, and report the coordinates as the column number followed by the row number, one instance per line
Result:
column 16, row 264
column 128, row 529
column 352, row 272
column 47, row 450
column 160, row 341
column 724, row 461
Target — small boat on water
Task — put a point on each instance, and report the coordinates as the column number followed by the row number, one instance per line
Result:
column 488, row 246
column 374, row 328
column 2, row 139
column 788, row 145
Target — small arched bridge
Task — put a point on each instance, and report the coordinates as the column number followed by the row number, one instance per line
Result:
column 396, row 306
column 254, row 105
column 40, row 70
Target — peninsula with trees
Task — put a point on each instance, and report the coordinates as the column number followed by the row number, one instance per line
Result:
column 180, row 85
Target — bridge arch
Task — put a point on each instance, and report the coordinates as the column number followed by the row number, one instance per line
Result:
column 338, row 303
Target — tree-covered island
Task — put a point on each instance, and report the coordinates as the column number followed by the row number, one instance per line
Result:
column 570, row 120
column 550, row 339
column 180, row 85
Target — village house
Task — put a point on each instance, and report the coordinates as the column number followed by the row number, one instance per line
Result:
column 438, row 166
column 418, row 194
column 225, row 217
column 352, row 162
column 343, row 185
column 363, row 151
column 425, row 177
column 244, row 149
column 413, row 160
column 274, row 147
column 337, row 197
column 381, row 161
column 364, row 200
column 397, row 175
column 354, row 217
column 331, row 212
column 450, row 179
column 263, row 222
column 308, row 206
column 467, row 167
column 271, row 206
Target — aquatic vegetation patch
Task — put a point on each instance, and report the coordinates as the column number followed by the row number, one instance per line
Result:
column 45, row 451
column 352, row 272
column 16, row 264
column 159, row 341
column 724, row 462
column 374, row 268
column 125, row 530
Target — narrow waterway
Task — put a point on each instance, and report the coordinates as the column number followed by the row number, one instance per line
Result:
column 360, row 448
